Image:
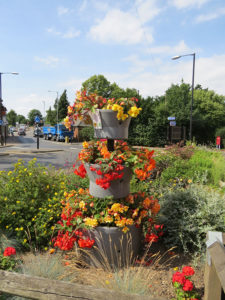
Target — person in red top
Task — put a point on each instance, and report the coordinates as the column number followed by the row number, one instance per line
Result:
column 218, row 142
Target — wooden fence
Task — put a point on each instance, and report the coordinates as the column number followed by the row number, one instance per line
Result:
column 42, row 288
column 215, row 267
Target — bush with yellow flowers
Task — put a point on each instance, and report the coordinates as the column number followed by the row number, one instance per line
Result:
column 30, row 202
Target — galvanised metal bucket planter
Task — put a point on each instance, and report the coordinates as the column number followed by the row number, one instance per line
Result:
column 119, row 188
column 110, row 127
column 113, row 247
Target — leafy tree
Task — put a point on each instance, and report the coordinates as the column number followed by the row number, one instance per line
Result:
column 208, row 114
column 51, row 116
column 32, row 114
column 63, row 104
column 12, row 117
column 97, row 84
column 21, row 119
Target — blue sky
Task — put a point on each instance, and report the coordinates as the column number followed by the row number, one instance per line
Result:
column 58, row 44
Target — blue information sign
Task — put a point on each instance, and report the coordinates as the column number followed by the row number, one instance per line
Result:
column 171, row 118
column 37, row 119
column 1, row 122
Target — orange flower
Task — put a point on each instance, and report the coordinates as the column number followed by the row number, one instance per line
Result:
column 146, row 203
column 156, row 208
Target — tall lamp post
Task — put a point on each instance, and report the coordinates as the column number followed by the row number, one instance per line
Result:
column 1, row 73
column 57, row 99
column 192, row 87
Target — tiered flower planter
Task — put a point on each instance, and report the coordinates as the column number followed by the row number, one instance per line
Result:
column 119, row 188
column 111, row 127
column 112, row 246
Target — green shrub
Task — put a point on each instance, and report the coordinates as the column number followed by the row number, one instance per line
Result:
column 30, row 202
column 86, row 133
column 188, row 214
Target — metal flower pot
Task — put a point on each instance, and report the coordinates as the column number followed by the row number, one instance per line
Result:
column 107, row 126
column 113, row 247
column 119, row 188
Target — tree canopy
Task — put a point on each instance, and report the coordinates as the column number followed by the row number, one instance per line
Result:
column 32, row 114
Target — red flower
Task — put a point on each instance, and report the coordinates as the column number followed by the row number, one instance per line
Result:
column 85, row 243
column 188, row 271
column 81, row 171
column 188, row 285
column 9, row 251
column 179, row 277
column 151, row 238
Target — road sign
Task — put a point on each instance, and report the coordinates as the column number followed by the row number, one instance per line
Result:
column 171, row 118
column 1, row 122
column 172, row 123
column 37, row 119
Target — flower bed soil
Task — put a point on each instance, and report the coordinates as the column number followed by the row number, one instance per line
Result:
column 162, row 271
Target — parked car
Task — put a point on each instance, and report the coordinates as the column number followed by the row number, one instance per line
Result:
column 38, row 132
column 21, row 131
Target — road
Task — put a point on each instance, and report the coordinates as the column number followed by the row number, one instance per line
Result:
column 58, row 154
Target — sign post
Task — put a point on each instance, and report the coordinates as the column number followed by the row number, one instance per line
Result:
column 37, row 121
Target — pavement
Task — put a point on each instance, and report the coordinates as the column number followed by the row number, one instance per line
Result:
column 13, row 141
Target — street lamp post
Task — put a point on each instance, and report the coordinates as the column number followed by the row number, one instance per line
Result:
column 192, row 86
column 1, row 73
column 57, row 99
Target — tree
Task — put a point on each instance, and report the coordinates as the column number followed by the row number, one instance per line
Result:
column 51, row 116
column 32, row 114
column 11, row 117
column 97, row 84
column 63, row 104
column 21, row 119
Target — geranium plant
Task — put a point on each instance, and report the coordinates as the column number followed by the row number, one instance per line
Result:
column 111, row 164
column 8, row 259
column 184, row 287
column 86, row 103
column 82, row 212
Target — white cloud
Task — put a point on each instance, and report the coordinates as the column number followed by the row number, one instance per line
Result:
column 50, row 60
column 62, row 10
column 83, row 6
column 147, row 9
column 119, row 27
column 209, row 72
column 180, row 48
column 69, row 34
column 180, row 4
column 210, row 16
column 52, row 31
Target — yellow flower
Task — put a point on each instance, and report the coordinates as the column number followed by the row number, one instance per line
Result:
column 17, row 180
column 9, row 173
column 24, row 241
column 46, row 248
column 189, row 181
column 53, row 227
column 47, row 186
column 91, row 222
column 25, row 169
column 17, row 229
column 108, row 219
column 125, row 229
column 51, row 251
column 17, row 202
column 13, row 213
column 7, row 226
column 175, row 269
column 5, row 198
column 21, row 228
column 85, row 145
column 30, row 174
column 107, row 282
column 134, row 111
column 56, row 193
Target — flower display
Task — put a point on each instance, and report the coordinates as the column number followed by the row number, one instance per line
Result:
column 112, row 164
column 86, row 103
column 82, row 212
column 184, row 287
